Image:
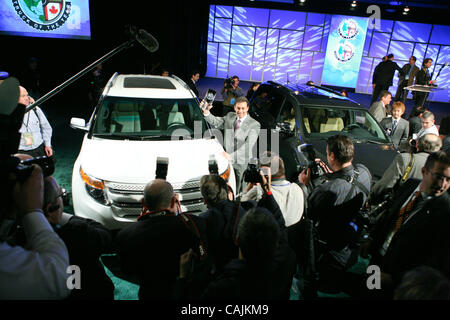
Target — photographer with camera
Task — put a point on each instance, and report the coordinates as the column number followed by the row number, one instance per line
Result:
column 332, row 205
column 405, row 166
column 265, row 265
column 150, row 249
column 230, row 92
column 222, row 219
column 289, row 196
column 38, row 269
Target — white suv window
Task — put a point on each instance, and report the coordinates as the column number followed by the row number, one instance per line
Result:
column 139, row 117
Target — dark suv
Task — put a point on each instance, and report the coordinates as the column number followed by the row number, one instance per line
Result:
column 309, row 115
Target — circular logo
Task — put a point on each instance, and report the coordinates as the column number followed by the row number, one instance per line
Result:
column 348, row 29
column 43, row 15
column 344, row 52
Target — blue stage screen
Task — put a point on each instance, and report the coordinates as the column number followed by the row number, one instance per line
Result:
column 267, row 44
column 344, row 51
column 45, row 19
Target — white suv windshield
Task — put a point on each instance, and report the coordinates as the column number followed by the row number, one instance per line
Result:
column 148, row 118
column 320, row 122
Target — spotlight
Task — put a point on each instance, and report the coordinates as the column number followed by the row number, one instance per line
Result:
column 302, row 1
column 406, row 9
column 353, row 4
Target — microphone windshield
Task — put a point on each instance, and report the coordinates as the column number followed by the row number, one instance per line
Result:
column 147, row 40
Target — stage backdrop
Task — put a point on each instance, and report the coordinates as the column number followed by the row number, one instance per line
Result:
column 344, row 51
column 47, row 19
column 265, row 44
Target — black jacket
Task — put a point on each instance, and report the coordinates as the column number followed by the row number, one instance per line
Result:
column 422, row 77
column 222, row 223
column 150, row 250
column 384, row 73
column 192, row 86
column 422, row 240
column 243, row 281
column 86, row 240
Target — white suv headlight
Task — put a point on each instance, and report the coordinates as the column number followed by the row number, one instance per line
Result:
column 94, row 187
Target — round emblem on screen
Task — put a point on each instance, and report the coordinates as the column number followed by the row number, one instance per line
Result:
column 348, row 29
column 344, row 52
column 43, row 15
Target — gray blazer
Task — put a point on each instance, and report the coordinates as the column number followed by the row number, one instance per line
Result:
column 400, row 133
column 395, row 171
column 378, row 110
column 241, row 145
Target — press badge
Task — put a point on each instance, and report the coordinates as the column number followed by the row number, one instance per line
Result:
column 232, row 100
column 28, row 137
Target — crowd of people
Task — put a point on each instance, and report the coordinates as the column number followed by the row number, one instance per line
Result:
column 255, row 243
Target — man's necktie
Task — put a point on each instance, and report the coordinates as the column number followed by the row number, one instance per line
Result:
column 237, row 124
column 394, row 126
column 406, row 210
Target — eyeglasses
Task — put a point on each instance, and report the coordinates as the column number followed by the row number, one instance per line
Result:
column 64, row 196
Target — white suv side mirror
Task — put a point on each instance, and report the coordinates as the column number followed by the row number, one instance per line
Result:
column 78, row 123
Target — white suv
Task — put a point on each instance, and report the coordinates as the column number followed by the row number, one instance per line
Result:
column 138, row 119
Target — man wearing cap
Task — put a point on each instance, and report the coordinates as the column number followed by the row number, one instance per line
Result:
column 36, row 130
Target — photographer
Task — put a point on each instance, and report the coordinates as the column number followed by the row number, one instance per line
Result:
column 405, row 166
column 37, row 270
column 333, row 204
column 266, row 264
column 222, row 219
column 289, row 196
column 230, row 92
column 150, row 249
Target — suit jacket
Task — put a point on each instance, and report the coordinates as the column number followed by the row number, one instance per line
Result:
column 405, row 70
column 384, row 72
column 241, row 145
column 395, row 171
column 421, row 240
column 423, row 77
column 192, row 86
column 378, row 110
column 150, row 250
column 400, row 133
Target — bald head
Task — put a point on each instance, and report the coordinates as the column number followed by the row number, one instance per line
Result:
column 23, row 96
column 158, row 195
column 429, row 143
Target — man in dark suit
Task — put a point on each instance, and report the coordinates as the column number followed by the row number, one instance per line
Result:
column 195, row 75
column 149, row 249
column 396, row 127
column 423, row 77
column 241, row 133
column 383, row 75
column 409, row 70
column 414, row 231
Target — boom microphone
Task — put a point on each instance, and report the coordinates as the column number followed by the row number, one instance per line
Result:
column 147, row 40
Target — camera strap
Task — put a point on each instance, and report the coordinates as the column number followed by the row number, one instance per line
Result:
column 408, row 168
column 190, row 224
column 353, row 180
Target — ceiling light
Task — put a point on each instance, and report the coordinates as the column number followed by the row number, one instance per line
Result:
column 406, row 9
column 353, row 4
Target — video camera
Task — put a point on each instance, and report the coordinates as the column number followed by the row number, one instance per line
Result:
column 24, row 168
column 229, row 82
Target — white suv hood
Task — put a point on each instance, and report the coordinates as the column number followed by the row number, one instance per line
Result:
column 135, row 161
